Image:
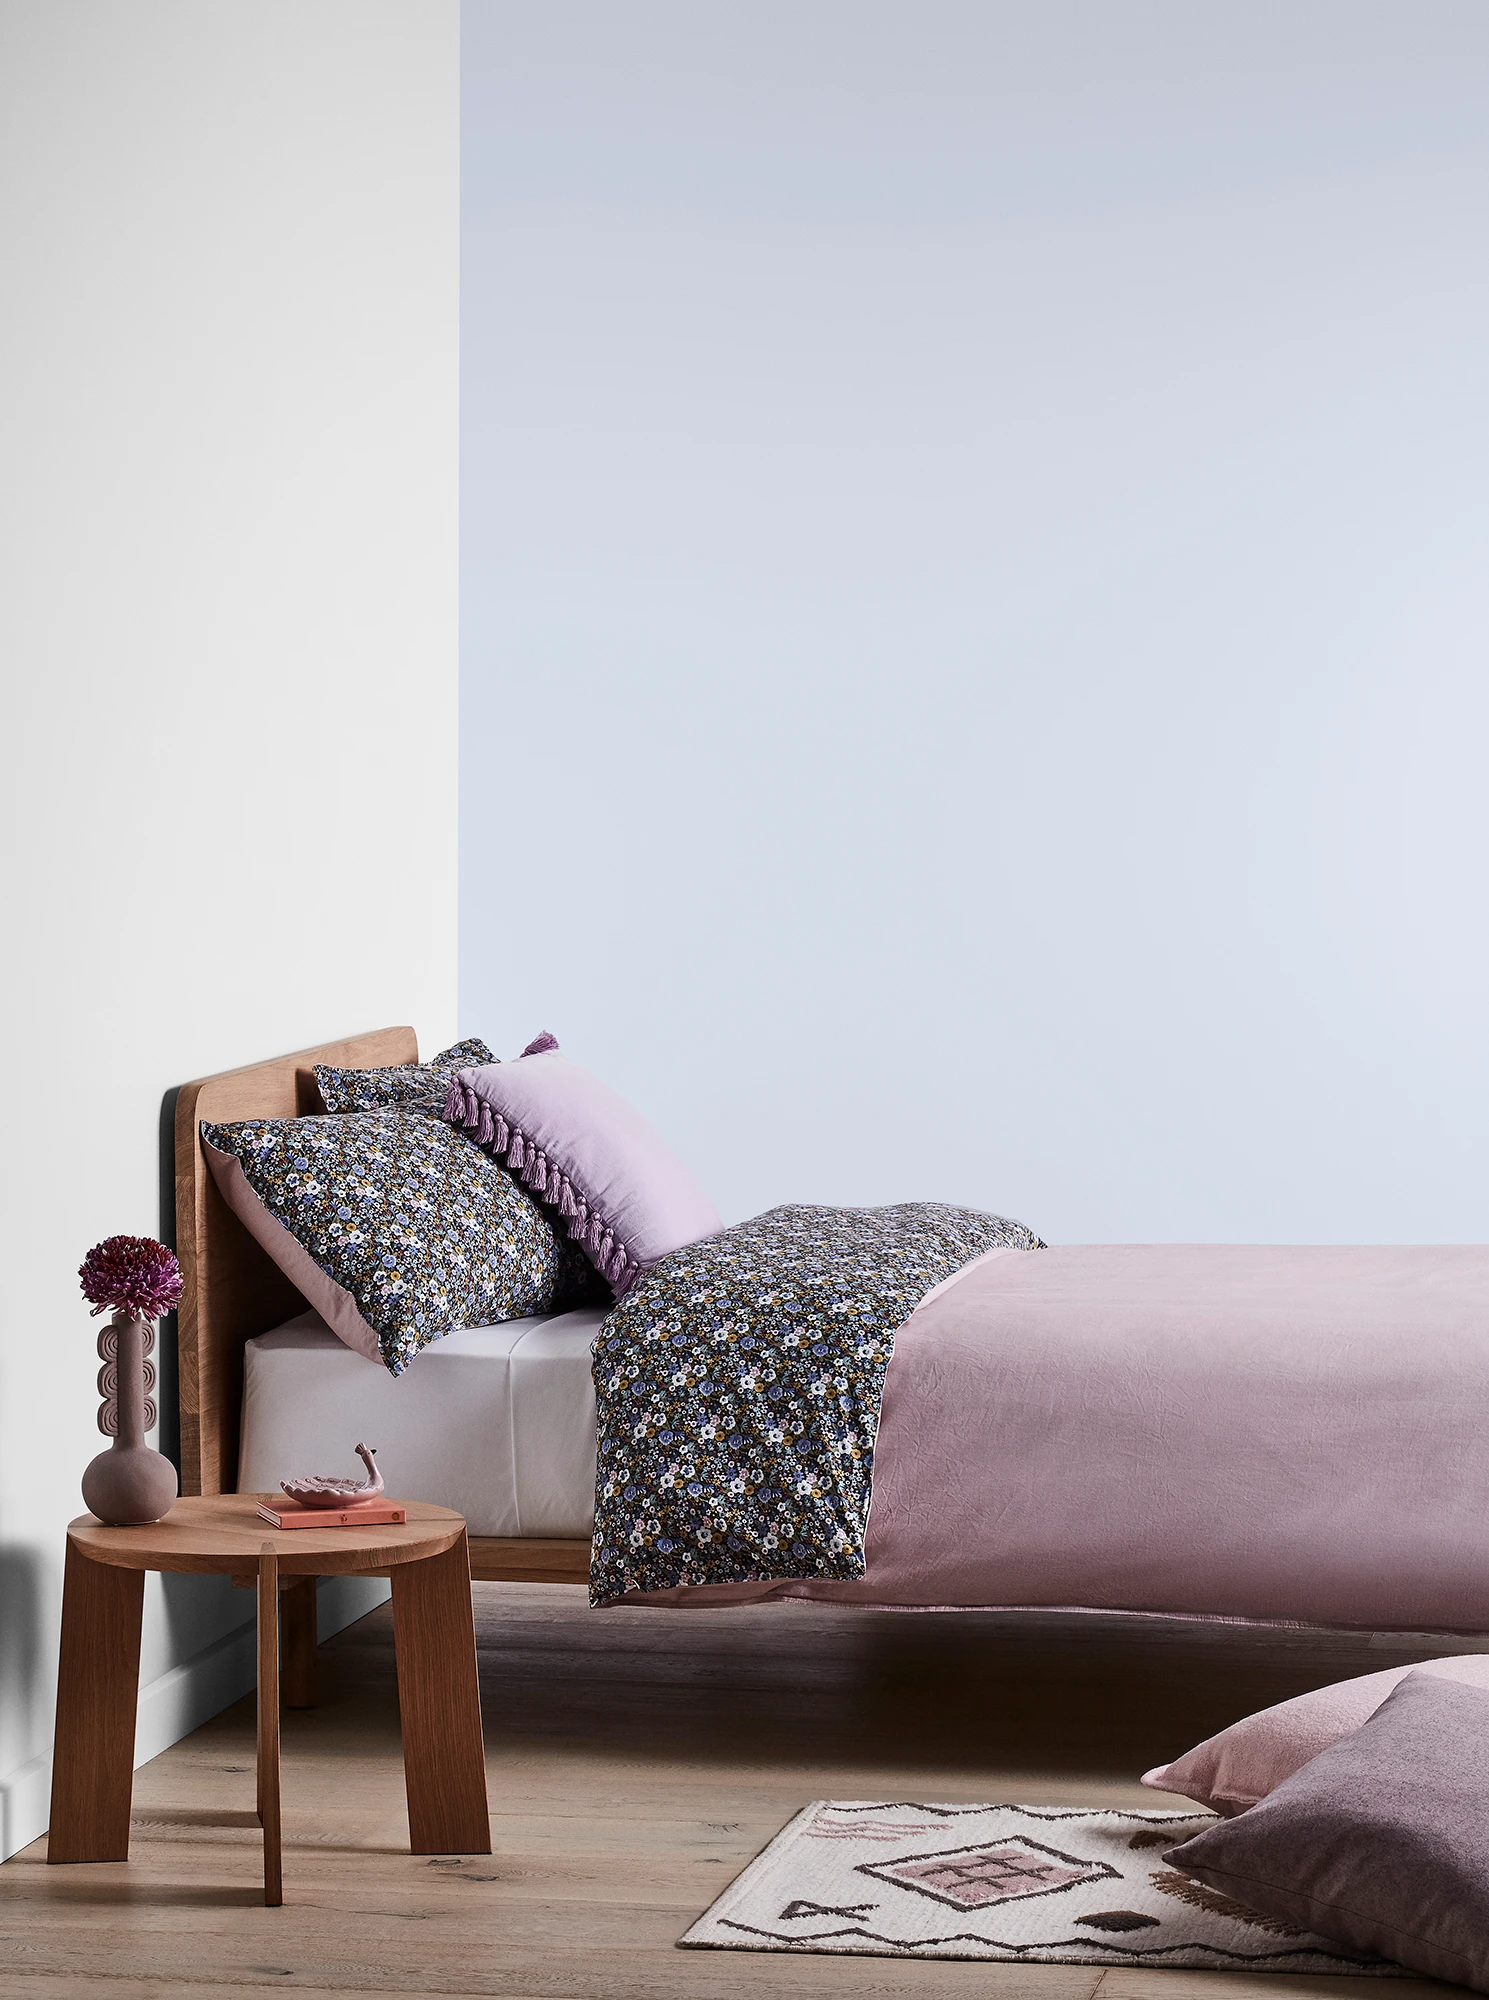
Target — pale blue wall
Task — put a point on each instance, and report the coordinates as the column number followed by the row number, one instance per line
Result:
column 975, row 597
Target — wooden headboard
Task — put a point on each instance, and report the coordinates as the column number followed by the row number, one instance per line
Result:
column 232, row 1290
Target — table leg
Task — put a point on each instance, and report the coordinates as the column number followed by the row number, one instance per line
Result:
column 439, row 1701
column 268, row 1723
column 297, row 1616
column 97, row 1689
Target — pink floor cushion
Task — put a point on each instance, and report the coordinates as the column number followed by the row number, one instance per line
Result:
column 617, row 1186
column 1231, row 1771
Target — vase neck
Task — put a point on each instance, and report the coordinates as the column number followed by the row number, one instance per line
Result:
column 131, row 1378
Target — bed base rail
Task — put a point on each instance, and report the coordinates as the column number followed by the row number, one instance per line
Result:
column 522, row 1559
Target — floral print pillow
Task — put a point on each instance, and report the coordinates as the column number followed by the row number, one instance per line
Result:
column 394, row 1226
column 414, row 1086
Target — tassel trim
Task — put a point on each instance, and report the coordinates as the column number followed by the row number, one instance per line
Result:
column 470, row 1111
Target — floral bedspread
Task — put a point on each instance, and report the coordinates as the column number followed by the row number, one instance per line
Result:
column 738, row 1386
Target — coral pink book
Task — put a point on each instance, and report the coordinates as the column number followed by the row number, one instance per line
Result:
column 376, row 1514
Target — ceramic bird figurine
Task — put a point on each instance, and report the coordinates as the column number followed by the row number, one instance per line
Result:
column 321, row 1490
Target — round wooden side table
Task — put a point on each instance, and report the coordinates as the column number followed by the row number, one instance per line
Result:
column 439, row 1700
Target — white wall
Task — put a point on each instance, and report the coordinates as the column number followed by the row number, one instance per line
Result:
column 228, row 635
column 975, row 597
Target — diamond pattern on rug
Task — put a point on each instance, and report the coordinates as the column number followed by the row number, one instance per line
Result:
column 1033, row 1885
column 974, row 1878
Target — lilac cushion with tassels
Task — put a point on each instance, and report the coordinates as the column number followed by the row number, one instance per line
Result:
column 620, row 1189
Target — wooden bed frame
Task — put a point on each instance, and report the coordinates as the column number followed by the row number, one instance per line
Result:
column 233, row 1291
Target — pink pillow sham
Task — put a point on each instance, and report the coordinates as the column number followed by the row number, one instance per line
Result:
column 619, row 1189
column 1241, row 1765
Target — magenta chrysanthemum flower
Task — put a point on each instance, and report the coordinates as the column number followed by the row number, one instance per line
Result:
column 132, row 1274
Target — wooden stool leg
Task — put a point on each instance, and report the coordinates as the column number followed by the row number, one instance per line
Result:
column 439, row 1701
column 297, row 1616
column 97, row 1689
column 268, row 1723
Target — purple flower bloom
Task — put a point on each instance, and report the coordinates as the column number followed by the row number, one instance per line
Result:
column 132, row 1274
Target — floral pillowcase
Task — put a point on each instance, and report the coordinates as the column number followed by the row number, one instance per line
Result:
column 413, row 1086
column 394, row 1226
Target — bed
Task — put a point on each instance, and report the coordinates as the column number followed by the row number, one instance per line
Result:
column 1295, row 1435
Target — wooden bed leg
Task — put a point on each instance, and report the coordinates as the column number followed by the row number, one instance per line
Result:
column 268, row 1724
column 297, row 1623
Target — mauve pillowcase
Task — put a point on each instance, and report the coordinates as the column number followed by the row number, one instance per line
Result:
column 1231, row 1771
column 619, row 1189
column 1381, row 1842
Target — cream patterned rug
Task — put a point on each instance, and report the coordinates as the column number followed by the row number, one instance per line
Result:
column 1041, row 1885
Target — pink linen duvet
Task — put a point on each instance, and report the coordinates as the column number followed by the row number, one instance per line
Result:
column 1296, row 1434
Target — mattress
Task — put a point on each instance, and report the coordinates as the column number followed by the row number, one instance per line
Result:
column 497, row 1422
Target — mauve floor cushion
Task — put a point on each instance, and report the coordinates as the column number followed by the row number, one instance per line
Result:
column 1381, row 1842
column 1231, row 1771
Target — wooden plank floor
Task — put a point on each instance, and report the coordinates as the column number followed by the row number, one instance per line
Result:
column 637, row 1760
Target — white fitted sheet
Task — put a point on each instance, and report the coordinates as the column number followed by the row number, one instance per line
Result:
column 495, row 1421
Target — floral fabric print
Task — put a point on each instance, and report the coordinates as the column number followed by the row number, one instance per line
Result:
column 414, row 1086
column 425, row 1232
column 738, row 1386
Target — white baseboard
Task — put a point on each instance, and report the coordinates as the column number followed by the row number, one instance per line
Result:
column 180, row 1700
column 25, row 1798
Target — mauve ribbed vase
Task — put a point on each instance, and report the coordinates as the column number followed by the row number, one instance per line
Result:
column 129, row 1483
